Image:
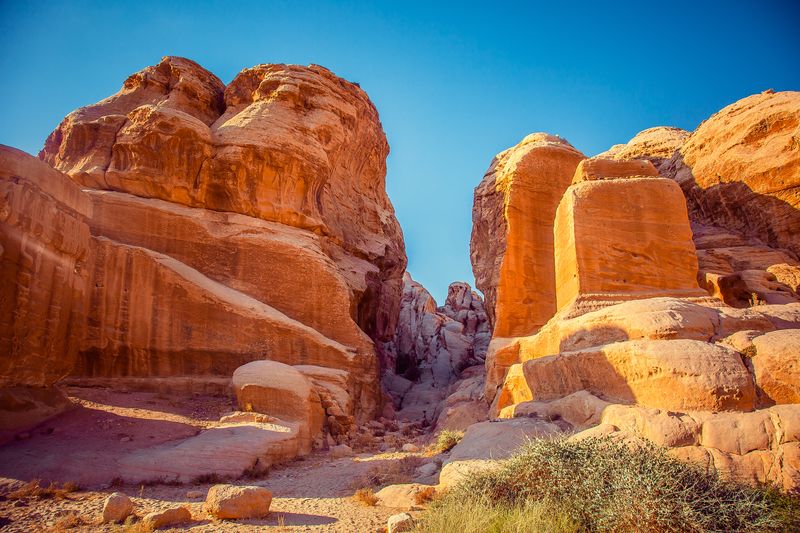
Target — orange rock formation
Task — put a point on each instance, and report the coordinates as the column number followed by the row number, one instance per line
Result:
column 216, row 226
column 636, row 348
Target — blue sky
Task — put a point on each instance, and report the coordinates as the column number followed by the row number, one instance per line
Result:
column 455, row 83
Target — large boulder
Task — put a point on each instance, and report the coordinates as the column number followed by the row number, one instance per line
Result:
column 674, row 374
column 776, row 366
column 620, row 229
column 283, row 392
column 238, row 502
column 485, row 443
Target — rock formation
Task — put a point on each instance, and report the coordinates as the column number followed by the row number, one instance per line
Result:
column 739, row 173
column 635, row 348
column 191, row 228
column 439, row 356
column 512, row 231
column 739, row 169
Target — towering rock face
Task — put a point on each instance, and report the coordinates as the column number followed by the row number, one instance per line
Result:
column 216, row 226
column 512, row 231
column 741, row 169
column 282, row 143
column 636, row 349
column 622, row 232
column 739, row 172
column 438, row 351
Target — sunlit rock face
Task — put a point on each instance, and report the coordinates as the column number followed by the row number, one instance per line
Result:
column 672, row 323
column 512, row 231
column 191, row 228
column 741, row 169
column 740, row 173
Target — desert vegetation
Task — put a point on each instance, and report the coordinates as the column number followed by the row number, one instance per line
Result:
column 558, row 485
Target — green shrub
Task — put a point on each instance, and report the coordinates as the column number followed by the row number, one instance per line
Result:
column 603, row 485
column 447, row 439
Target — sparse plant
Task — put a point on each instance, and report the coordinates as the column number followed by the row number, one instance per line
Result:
column 425, row 495
column 34, row 489
column 365, row 496
column 602, row 485
column 70, row 520
column 132, row 525
column 446, row 440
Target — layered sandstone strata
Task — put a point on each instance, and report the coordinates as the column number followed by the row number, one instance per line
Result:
column 739, row 172
column 282, row 143
column 635, row 349
column 741, row 169
column 621, row 231
column 198, row 227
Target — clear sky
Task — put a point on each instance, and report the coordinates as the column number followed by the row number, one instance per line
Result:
column 455, row 83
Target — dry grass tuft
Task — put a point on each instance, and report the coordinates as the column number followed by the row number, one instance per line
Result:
column 446, row 441
column 426, row 495
column 34, row 490
column 366, row 497
column 71, row 520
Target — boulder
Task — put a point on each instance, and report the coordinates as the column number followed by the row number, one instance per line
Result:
column 776, row 365
column 281, row 391
column 628, row 236
column 401, row 496
column 238, row 502
column 116, row 508
column 666, row 374
column 399, row 523
column 486, row 442
column 229, row 451
column 173, row 516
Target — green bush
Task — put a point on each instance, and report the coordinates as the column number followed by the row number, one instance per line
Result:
column 447, row 439
column 603, row 485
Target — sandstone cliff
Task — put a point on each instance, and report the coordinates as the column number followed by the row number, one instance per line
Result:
column 195, row 227
column 635, row 348
column 740, row 174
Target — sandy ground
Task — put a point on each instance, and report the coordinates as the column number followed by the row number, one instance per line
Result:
column 82, row 445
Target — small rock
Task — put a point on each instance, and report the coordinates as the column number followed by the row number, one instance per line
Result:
column 428, row 469
column 170, row 517
column 125, row 439
column 342, row 450
column 194, row 494
column 409, row 447
column 116, row 508
column 400, row 522
column 232, row 501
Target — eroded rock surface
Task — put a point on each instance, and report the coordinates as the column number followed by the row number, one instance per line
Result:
column 191, row 228
column 636, row 348
column 438, row 356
